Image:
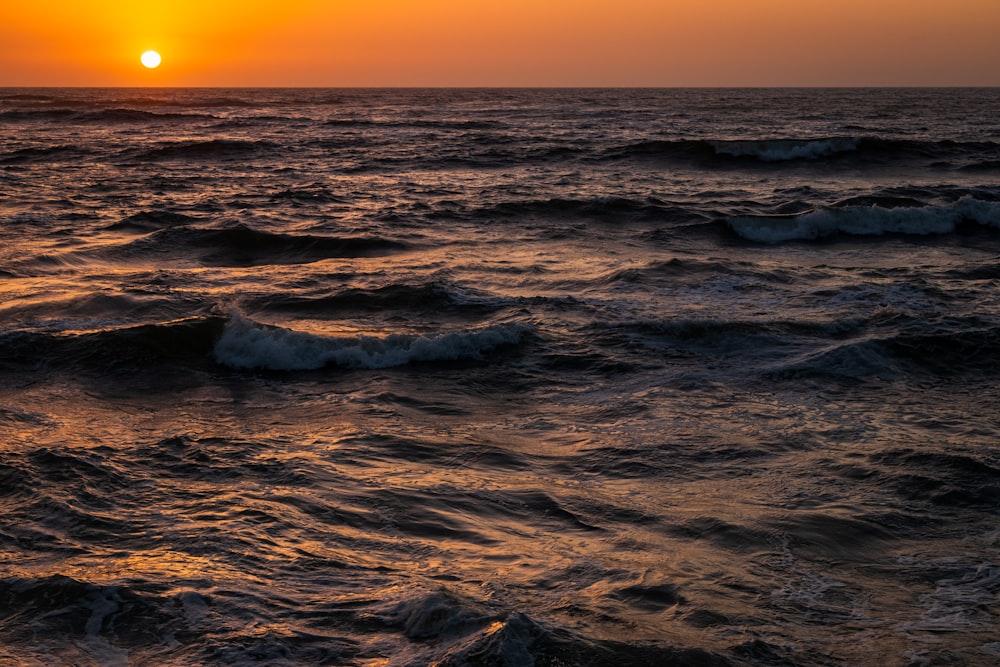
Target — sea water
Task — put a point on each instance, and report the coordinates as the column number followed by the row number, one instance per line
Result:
column 499, row 377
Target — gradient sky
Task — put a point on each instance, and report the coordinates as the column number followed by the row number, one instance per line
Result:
column 501, row 43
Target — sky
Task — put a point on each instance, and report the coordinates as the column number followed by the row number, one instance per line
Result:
column 501, row 43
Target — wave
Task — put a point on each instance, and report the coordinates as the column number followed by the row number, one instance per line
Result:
column 459, row 158
column 518, row 639
column 244, row 246
column 188, row 101
column 148, row 221
column 100, row 623
column 122, row 115
column 212, row 149
column 42, row 154
column 416, row 123
column 463, row 632
column 779, row 150
column 249, row 344
column 849, row 150
column 308, row 194
column 111, row 115
column 649, row 209
column 15, row 115
column 56, row 612
column 99, row 306
column 27, row 97
column 981, row 166
column 867, row 221
column 935, row 353
column 953, row 479
column 695, row 270
column 423, row 297
column 170, row 98
column 849, row 348
column 188, row 340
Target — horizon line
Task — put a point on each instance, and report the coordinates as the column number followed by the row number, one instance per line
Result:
column 521, row 87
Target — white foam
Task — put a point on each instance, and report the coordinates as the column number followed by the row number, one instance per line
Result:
column 959, row 603
column 248, row 344
column 104, row 603
column 866, row 221
column 778, row 150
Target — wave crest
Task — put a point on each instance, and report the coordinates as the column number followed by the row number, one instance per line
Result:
column 248, row 344
column 780, row 150
column 866, row 221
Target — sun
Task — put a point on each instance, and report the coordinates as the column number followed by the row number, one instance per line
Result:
column 151, row 59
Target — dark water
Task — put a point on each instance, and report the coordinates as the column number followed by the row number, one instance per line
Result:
column 595, row 377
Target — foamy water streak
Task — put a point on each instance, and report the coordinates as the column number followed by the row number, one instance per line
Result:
column 499, row 377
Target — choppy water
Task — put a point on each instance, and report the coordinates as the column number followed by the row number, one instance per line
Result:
column 595, row 377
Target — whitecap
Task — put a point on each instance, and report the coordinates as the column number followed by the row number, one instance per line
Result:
column 866, row 221
column 248, row 344
column 780, row 150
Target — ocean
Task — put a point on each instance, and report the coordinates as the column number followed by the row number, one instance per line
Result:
column 696, row 377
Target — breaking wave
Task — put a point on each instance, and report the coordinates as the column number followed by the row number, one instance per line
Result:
column 248, row 344
column 778, row 150
column 866, row 221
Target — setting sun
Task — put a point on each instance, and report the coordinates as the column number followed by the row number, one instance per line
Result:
column 151, row 59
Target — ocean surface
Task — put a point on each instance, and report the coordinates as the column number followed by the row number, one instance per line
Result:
column 695, row 378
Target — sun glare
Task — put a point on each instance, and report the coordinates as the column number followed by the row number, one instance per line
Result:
column 150, row 59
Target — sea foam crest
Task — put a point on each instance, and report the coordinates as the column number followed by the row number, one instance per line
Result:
column 248, row 344
column 866, row 221
column 778, row 150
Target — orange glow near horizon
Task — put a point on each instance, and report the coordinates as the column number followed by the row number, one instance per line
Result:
column 501, row 43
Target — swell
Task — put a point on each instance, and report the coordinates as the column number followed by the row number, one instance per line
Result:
column 308, row 194
column 415, row 123
column 109, row 115
column 959, row 352
column 608, row 208
column 186, row 101
column 151, row 220
column 458, row 156
column 843, row 150
column 244, row 246
column 845, row 348
column 429, row 297
column 868, row 220
column 124, row 115
column 43, row 154
column 183, row 342
column 689, row 270
column 97, row 308
column 211, row 149
column 945, row 479
column 15, row 115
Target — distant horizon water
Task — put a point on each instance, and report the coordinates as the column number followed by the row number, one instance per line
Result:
column 516, row 87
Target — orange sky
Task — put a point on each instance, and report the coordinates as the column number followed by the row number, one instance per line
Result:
column 501, row 43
